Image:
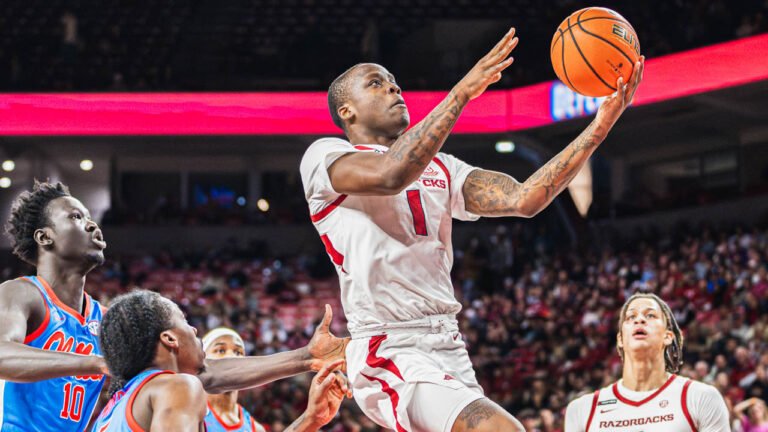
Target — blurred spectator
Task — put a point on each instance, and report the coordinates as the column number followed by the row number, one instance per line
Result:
column 752, row 415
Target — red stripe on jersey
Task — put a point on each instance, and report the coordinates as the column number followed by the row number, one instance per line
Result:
column 684, row 401
column 393, row 397
column 224, row 424
column 375, row 361
column 55, row 299
column 335, row 255
column 44, row 324
column 362, row 147
column 132, row 423
column 317, row 217
column 592, row 411
column 639, row 403
column 445, row 170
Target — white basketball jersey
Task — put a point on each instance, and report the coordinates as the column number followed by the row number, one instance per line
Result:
column 680, row 405
column 393, row 254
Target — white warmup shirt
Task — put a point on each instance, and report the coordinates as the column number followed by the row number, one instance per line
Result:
column 680, row 405
column 393, row 253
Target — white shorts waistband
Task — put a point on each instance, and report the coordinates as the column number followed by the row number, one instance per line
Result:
column 428, row 325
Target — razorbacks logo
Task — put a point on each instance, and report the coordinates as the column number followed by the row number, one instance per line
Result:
column 431, row 172
column 637, row 421
column 435, row 183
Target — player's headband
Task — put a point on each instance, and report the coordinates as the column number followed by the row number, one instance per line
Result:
column 214, row 334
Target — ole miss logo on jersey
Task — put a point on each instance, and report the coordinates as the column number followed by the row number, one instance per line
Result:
column 62, row 343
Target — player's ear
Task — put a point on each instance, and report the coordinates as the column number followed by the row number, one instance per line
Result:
column 669, row 337
column 346, row 112
column 169, row 340
column 619, row 343
column 44, row 236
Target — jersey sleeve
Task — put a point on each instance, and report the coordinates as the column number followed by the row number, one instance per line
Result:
column 707, row 408
column 458, row 171
column 314, row 170
column 577, row 413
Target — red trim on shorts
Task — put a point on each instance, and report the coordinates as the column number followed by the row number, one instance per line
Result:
column 447, row 173
column 592, row 411
column 224, row 424
column 639, row 403
column 132, row 424
column 44, row 324
column 684, row 400
column 375, row 361
column 336, row 256
column 253, row 425
column 362, row 147
column 393, row 397
column 317, row 217
column 55, row 299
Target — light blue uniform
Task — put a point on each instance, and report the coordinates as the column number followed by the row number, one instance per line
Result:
column 215, row 424
column 58, row 404
column 116, row 416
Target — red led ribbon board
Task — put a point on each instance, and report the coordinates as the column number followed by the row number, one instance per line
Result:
column 306, row 113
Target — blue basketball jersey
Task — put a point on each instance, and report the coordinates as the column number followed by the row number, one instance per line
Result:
column 117, row 416
column 213, row 423
column 60, row 404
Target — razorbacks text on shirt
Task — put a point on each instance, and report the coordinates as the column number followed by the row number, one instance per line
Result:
column 680, row 405
column 65, row 403
column 214, row 423
column 393, row 254
column 117, row 416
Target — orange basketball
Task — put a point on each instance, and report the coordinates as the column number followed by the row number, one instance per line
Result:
column 592, row 48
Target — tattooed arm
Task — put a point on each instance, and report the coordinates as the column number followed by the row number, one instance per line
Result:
column 368, row 173
column 490, row 193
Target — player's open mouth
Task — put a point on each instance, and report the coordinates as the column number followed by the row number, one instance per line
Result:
column 639, row 333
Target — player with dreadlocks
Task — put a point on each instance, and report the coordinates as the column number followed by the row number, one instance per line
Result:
column 650, row 395
column 51, row 371
column 153, row 355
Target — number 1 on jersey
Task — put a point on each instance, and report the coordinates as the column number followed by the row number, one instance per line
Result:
column 417, row 211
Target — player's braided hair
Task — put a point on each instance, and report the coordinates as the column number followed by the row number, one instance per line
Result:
column 130, row 331
column 338, row 92
column 673, row 353
column 28, row 214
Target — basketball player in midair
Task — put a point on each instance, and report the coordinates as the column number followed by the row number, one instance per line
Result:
column 51, row 372
column 153, row 356
column 649, row 395
column 382, row 202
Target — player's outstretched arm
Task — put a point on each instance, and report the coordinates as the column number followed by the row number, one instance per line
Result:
column 178, row 403
column 490, row 193
column 368, row 173
column 22, row 363
column 239, row 373
column 325, row 396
